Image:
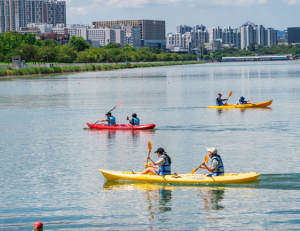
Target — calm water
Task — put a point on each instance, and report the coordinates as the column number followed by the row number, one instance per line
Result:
column 49, row 160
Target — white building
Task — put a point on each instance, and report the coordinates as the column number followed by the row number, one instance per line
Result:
column 247, row 36
column 215, row 33
column 110, row 36
column 96, row 36
column 271, row 37
column 120, row 37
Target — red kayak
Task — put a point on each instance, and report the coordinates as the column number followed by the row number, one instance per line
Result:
column 121, row 126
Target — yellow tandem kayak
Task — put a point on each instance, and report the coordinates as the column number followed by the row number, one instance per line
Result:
column 249, row 105
column 228, row 178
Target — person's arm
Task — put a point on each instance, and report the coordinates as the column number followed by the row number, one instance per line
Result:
column 104, row 120
column 208, row 168
column 160, row 162
column 131, row 121
column 151, row 161
column 213, row 167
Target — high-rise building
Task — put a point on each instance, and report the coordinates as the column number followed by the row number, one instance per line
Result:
column 247, row 36
column 15, row 14
column 293, row 35
column 182, row 29
column 260, row 35
column 215, row 33
column 152, row 33
column 229, row 36
column 60, row 12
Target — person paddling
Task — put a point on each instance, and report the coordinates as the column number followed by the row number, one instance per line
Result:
column 243, row 101
column 217, row 167
column 135, row 120
column 160, row 167
column 111, row 120
column 219, row 100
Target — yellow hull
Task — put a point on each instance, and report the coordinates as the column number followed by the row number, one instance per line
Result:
column 181, row 178
column 250, row 105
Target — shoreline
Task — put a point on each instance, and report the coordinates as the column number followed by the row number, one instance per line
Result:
column 41, row 71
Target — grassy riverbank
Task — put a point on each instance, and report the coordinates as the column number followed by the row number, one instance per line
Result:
column 67, row 69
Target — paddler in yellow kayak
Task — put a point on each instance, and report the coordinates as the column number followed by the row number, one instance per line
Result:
column 160, row 167
column 217, row 167
column 219, row 100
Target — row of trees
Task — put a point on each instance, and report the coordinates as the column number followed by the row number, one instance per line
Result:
column 77, row 50
column 262, row 50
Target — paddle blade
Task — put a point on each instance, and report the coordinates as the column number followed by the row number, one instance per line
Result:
column 206, row 159
column 127, row 118
column 230, row 93
column 149, row 146
column 118, row 104
column 193, row 171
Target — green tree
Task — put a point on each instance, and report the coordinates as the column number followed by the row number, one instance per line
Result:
column 78, row 43
column 111, row 46
column 27, row 52
column 66, row 54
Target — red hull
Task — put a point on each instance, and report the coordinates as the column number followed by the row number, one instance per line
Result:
column 121, row 126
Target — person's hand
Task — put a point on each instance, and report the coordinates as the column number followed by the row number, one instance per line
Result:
column 199, row 166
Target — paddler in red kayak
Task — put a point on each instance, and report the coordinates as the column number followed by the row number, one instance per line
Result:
column 135, row 120
column 111, row 120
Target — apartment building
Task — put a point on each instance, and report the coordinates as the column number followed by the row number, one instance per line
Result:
column 152, row 32
column 15, row 14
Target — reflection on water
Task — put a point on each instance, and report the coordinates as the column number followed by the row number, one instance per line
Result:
column 212, row 197
column 220, row 111
column 158, row 197
column 159, row 201
column 112, row 136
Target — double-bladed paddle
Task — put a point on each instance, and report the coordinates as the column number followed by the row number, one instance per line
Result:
column 150, row 148
column 204, row 162
column 230, row 94
column 106, row 113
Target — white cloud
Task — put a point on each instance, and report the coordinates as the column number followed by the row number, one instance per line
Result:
column 292, row 2
column 83, row 10
column 238, row 2
column 97, row 4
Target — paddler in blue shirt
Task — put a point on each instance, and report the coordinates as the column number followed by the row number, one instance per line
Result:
column 135, row 120
column 217, row 167
column 111, row 120
column 243, row 101
column 219, row 100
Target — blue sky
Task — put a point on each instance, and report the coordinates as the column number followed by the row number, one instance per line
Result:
column 278, row 14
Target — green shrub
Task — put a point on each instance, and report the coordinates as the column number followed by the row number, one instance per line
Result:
column 57, row 69
column 3, row 72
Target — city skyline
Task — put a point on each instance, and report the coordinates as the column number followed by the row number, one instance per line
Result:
column 277, row 14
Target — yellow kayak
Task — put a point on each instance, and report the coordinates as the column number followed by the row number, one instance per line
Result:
column 249, row 105
column 187, row 178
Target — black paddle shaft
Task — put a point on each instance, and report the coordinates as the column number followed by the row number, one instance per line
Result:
column 106, row 113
